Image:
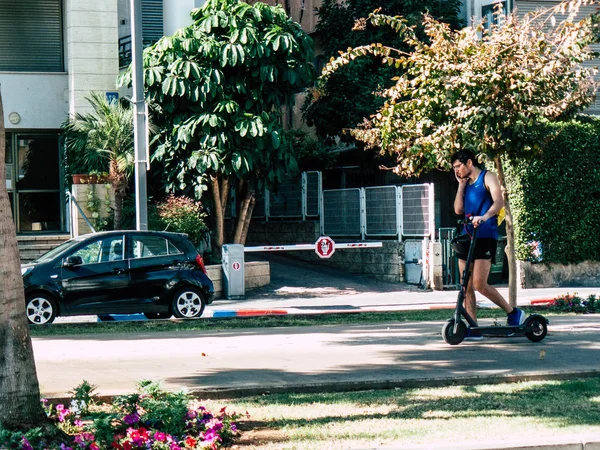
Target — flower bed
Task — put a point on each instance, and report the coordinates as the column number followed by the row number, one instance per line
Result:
column 149, row 419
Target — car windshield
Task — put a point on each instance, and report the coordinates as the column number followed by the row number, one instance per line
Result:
column 57, row 250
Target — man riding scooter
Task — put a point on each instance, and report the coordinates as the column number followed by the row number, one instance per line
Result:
column 479, row 197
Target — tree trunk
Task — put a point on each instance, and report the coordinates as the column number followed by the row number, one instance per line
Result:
column 245, row 214
column 220, row 191
column 19, row 389
column 510, row 237
column 119, row 183
column 248, row 219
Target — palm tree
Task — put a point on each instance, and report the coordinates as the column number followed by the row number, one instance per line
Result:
column 19, row 387
column 102, row 141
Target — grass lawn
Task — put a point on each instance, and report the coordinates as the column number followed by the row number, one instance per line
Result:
column 400, row 417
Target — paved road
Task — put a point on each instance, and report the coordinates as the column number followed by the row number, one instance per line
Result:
column 313, row 358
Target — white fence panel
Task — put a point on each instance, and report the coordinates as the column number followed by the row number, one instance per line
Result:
column 311, row 193
column 341, row 215
column 418, row 211
column 381, row 204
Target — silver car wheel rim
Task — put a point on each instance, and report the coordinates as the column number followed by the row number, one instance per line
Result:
column 39, row 310
column 189, row 304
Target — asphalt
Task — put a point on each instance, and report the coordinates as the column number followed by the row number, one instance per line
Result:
column 223, row 364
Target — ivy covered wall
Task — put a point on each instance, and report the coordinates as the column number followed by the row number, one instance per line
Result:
column 556, row 197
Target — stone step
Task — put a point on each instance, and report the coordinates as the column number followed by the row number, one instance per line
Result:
column 32, row 247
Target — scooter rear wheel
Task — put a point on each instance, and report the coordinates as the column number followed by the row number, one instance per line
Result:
column 540, row 327
column 448, row 332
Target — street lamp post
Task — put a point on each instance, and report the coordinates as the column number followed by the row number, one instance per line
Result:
column 141, row 158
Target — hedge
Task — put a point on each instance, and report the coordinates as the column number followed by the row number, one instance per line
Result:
column 555, row 197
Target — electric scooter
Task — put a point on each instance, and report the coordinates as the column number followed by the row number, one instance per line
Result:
column 454, row 330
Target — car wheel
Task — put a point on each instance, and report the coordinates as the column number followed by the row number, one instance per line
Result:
column 152, row 316
column 41, row 309
column 188, row 303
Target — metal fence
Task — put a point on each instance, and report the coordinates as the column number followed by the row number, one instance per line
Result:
column 381, row 212
column 395, row 211
column 343, row 214
column 298, row 197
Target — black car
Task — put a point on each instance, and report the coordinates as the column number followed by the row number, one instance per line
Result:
column 118, row 272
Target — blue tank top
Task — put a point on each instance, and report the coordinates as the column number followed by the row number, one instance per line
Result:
column 477, row 202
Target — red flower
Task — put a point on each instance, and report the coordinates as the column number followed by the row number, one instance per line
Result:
column 190, row 442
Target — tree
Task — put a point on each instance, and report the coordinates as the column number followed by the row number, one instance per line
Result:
column 491, row 92
column 102, row 141
column 350, row 94
column 217, row 88
column 19, row 387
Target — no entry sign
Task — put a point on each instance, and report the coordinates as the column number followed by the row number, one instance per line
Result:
column 325, row 247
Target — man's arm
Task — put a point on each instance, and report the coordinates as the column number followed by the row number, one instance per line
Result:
column 459, row 200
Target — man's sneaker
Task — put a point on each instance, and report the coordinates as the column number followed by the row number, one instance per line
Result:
column 473, row 335
column 516, row 317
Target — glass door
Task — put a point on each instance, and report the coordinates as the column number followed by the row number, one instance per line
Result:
column 8, row 167
column 34, row 185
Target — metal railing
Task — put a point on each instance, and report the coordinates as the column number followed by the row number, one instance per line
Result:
column 450, row 270
column 73, row 208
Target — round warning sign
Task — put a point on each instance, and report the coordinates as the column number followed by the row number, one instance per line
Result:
column 236, row 266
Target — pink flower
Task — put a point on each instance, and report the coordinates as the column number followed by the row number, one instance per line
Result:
column 160, row 436
column 26, row 444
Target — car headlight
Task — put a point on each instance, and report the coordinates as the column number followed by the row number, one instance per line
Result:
column 25, row 270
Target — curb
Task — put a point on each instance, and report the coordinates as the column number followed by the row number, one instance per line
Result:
column 350, row 386
column 575, row 442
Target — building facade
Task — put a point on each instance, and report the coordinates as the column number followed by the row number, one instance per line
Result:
column 63, row 50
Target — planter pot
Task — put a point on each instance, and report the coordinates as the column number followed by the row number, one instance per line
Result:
column 84, row 178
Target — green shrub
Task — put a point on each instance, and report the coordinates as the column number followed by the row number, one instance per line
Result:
column 179, row 215
column 555, row 197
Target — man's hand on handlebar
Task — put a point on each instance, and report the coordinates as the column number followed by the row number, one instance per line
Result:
column 477, row 220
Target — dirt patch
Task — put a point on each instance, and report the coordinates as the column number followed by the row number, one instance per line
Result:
column 256, row 434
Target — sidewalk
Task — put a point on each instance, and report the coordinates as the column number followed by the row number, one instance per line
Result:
column 298, row 287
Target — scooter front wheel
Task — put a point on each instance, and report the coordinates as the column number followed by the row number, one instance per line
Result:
column 539, row 326
column 448, row 332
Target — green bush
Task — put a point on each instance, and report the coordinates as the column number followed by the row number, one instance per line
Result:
column 555, row 197
column 574, row 303
column 179, row 215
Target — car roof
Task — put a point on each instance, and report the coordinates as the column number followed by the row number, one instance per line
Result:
column 138, row 232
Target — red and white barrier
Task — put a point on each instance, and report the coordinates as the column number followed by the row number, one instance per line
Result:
column 324, row 247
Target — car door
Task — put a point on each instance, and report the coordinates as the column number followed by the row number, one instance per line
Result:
column 155, row 262
column 100, row 284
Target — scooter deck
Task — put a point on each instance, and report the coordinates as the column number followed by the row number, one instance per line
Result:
column 503, row 330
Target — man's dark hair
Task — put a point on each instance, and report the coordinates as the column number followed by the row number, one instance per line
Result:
column 463, row 156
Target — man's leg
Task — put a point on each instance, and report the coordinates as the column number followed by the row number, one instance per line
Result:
column 481, row 271
column 470, row 299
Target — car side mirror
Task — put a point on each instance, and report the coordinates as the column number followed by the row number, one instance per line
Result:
column 72, row 261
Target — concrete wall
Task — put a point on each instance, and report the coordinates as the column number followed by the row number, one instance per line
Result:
column 40, row 99
column 257, row 273
column 386, row 263
column 92, row 50
column 559, row 275
column 102, row 193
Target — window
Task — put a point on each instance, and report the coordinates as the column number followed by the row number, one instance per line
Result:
column 149, row 246
column 103, row 250
column 31, row 36
column 488, row 12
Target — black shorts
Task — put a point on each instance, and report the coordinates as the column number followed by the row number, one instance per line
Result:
column 485, row 248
